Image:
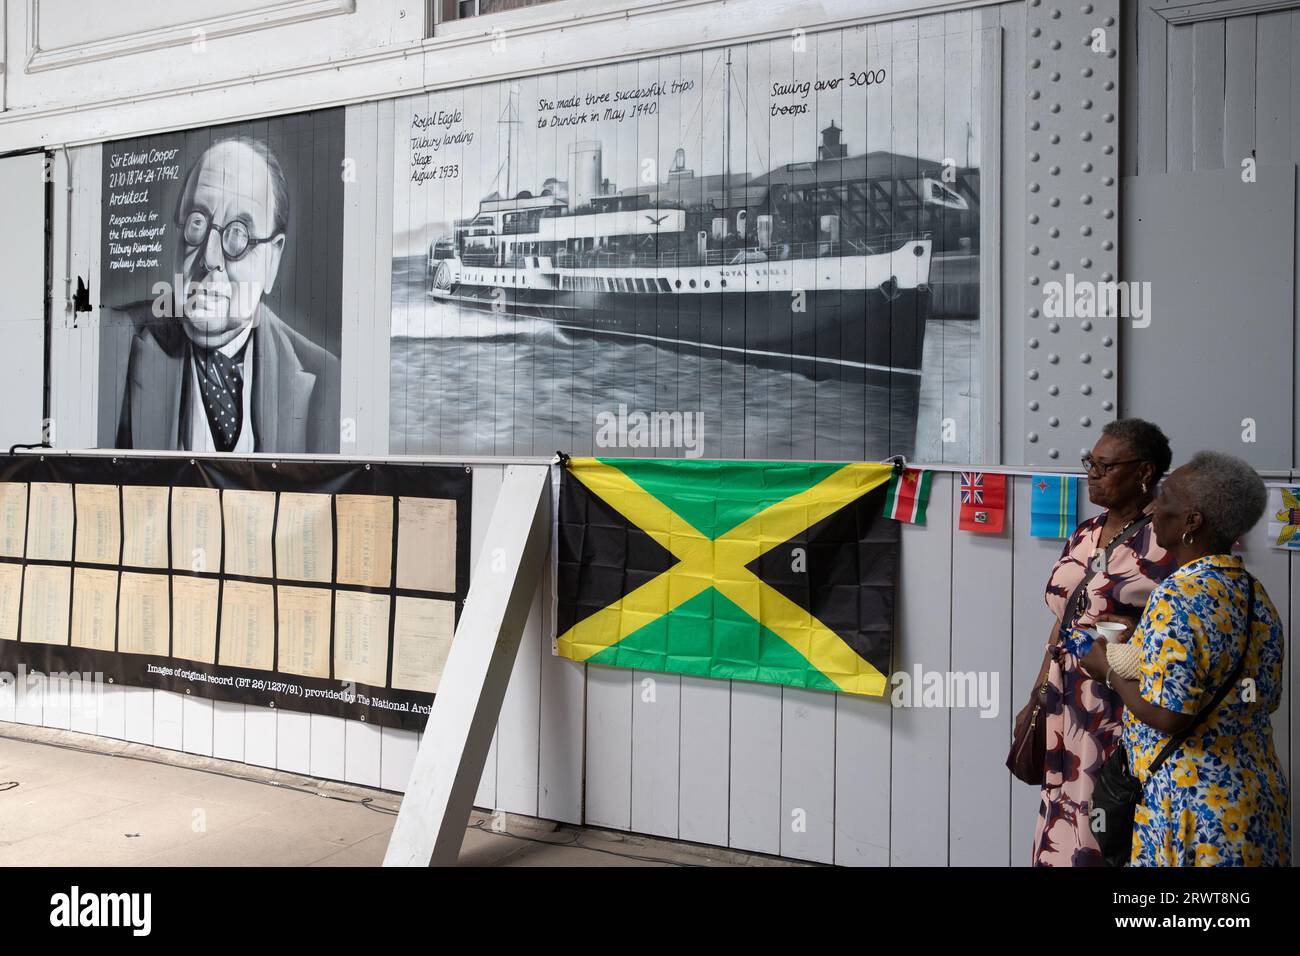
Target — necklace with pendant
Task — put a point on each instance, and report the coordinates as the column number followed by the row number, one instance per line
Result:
column 1119, row 533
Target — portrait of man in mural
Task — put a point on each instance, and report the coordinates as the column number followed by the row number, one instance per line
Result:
column 212, row 368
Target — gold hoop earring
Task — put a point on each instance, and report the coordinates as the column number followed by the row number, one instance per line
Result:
column 1187, row 538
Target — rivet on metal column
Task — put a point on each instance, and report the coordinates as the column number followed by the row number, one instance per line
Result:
column 1072, row 200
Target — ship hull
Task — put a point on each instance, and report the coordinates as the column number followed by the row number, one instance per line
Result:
column 841, row 332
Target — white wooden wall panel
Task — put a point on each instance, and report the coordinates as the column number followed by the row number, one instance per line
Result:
column 167, row 719
column 112, row 712
column 808, row 774
column 919, row 763
column 862, row 775
column 30, row 703
column 138, row 704
column 292, row 741
column 326, row 746
column 703, row 795
column 979, row 801
column 1031, row 625
column 363, row 753
column 397, row 757
column 22, row 276
column 519, row 726
column 363, row 745
column 260, row 730
column 196, row 725
column 656, row 752
column 562, row 714
column 56, row 711
column 74, row 338
column 609, row 746
column 755, row 792
column 228, row 731
column 8, row 698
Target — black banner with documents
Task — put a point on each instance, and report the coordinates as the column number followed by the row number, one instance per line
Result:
column 326, row 587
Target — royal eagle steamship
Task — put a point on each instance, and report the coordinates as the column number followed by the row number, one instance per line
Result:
column 827, row 260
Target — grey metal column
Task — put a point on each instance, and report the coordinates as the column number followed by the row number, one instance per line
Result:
column 1072, row 204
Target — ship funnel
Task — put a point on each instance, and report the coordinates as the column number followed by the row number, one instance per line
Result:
column 584, row 173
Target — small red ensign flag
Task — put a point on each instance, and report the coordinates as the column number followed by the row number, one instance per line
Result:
column 983, row 502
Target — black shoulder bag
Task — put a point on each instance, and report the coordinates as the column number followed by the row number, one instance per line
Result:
column 1117, row 792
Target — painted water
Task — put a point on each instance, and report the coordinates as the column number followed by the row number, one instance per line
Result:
column 471, row 382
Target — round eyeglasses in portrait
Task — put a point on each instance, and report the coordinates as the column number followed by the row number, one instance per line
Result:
column 236, row 240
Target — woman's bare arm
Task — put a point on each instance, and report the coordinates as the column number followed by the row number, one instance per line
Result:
column 1130, row 692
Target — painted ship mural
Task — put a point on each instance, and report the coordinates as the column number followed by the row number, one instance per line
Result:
column 828, row 260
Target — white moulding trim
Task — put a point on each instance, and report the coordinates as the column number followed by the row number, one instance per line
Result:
column 570, row 13
column 1183, row 13
column 281, row 14
column 426, row 52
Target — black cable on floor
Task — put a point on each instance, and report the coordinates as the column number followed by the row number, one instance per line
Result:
column 581, row 846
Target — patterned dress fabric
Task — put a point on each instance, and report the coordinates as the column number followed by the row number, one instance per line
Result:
column 1221, row 799
column 1084, row 715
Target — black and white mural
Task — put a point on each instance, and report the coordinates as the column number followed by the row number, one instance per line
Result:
column 769, row 250
column 221, row 271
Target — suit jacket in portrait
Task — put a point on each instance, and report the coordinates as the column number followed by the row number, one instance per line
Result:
column 295, row 399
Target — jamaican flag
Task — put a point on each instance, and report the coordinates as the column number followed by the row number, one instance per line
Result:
column 781, row 572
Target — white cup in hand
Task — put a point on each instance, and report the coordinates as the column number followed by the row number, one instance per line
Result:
column 1112, row 631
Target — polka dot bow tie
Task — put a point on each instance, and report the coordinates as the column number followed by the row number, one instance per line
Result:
column 221, row 385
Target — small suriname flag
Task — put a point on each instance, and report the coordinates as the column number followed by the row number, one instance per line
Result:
column 908, row 495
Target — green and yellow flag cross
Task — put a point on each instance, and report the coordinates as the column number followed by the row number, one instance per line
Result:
column 781, row 572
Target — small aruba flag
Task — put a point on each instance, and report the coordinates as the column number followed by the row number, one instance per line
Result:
column 908, row 495
column 1054, row 508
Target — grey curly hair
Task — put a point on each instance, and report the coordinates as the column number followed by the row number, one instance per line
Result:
column 1226, row 491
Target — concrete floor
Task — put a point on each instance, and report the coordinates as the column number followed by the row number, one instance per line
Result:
column 112, row 803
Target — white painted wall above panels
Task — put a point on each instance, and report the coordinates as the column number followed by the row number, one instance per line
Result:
column 22, row 308
column 140, row 71
column 74, row 77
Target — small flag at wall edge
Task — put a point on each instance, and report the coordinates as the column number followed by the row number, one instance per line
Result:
column 908, row 495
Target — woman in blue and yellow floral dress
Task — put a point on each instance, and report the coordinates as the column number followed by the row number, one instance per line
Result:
column 1221, row 798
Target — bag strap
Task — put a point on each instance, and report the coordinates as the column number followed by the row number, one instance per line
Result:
column 1072, row 605
column 1177, row 740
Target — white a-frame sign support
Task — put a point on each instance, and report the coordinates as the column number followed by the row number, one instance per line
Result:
column 440, row 795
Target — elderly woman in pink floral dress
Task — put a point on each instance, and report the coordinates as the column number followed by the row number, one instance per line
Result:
column 1083, row 716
